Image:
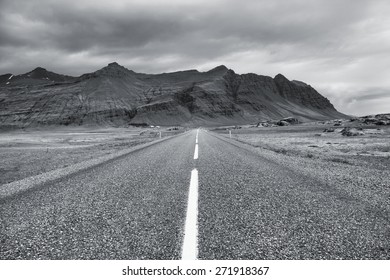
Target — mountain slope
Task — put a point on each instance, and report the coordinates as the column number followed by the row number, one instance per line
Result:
column 115, row 95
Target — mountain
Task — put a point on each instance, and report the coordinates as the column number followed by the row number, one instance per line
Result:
column 115, row 95
column 37, row 76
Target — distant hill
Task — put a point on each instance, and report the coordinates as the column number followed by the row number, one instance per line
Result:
column 115, row 95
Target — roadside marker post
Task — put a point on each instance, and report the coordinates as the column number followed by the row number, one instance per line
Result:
column 230, row 133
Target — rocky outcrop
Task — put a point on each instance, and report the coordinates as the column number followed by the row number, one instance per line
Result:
column 379, row 119
column 115, row 95
column 351, row 131
column 288, row 121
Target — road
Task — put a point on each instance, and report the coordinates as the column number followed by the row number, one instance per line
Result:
column 195, row 195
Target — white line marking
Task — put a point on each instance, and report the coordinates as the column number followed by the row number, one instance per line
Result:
column 190, row 243
column 10, row 77
column 196, row 152
column 196, row 139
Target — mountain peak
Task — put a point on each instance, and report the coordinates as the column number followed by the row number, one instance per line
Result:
column 38, row 73
column 280, row 77
column 39, row 70
column 114, row 64
column 114, row 69
column 218, row 69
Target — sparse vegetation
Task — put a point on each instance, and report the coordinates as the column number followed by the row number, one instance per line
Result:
column 25, row 154
column 370, row 143
column 340, row 160
column 280, row 151
column 309, row 155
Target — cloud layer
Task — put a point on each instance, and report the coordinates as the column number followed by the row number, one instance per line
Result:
column 339, row 47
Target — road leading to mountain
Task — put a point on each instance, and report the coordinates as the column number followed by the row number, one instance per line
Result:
column 248, row 207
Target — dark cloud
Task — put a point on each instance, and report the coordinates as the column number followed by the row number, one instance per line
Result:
column 333, row 45
column 360, row 101
column 370, row 94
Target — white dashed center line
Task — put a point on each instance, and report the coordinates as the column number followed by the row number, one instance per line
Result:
column 196, row 145
column 196, row 152
column 190, row 243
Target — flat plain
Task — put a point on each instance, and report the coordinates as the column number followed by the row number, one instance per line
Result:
column 26, row 153
column 321, row 141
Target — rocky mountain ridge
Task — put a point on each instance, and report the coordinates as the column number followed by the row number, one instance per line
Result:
column 115, row 95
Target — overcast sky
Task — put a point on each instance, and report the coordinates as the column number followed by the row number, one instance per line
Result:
column 341, row 48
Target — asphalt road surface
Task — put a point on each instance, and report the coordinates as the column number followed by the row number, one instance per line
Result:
column 195, row 195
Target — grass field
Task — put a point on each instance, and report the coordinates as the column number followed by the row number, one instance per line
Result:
column 28, row 153
column 310, row 141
